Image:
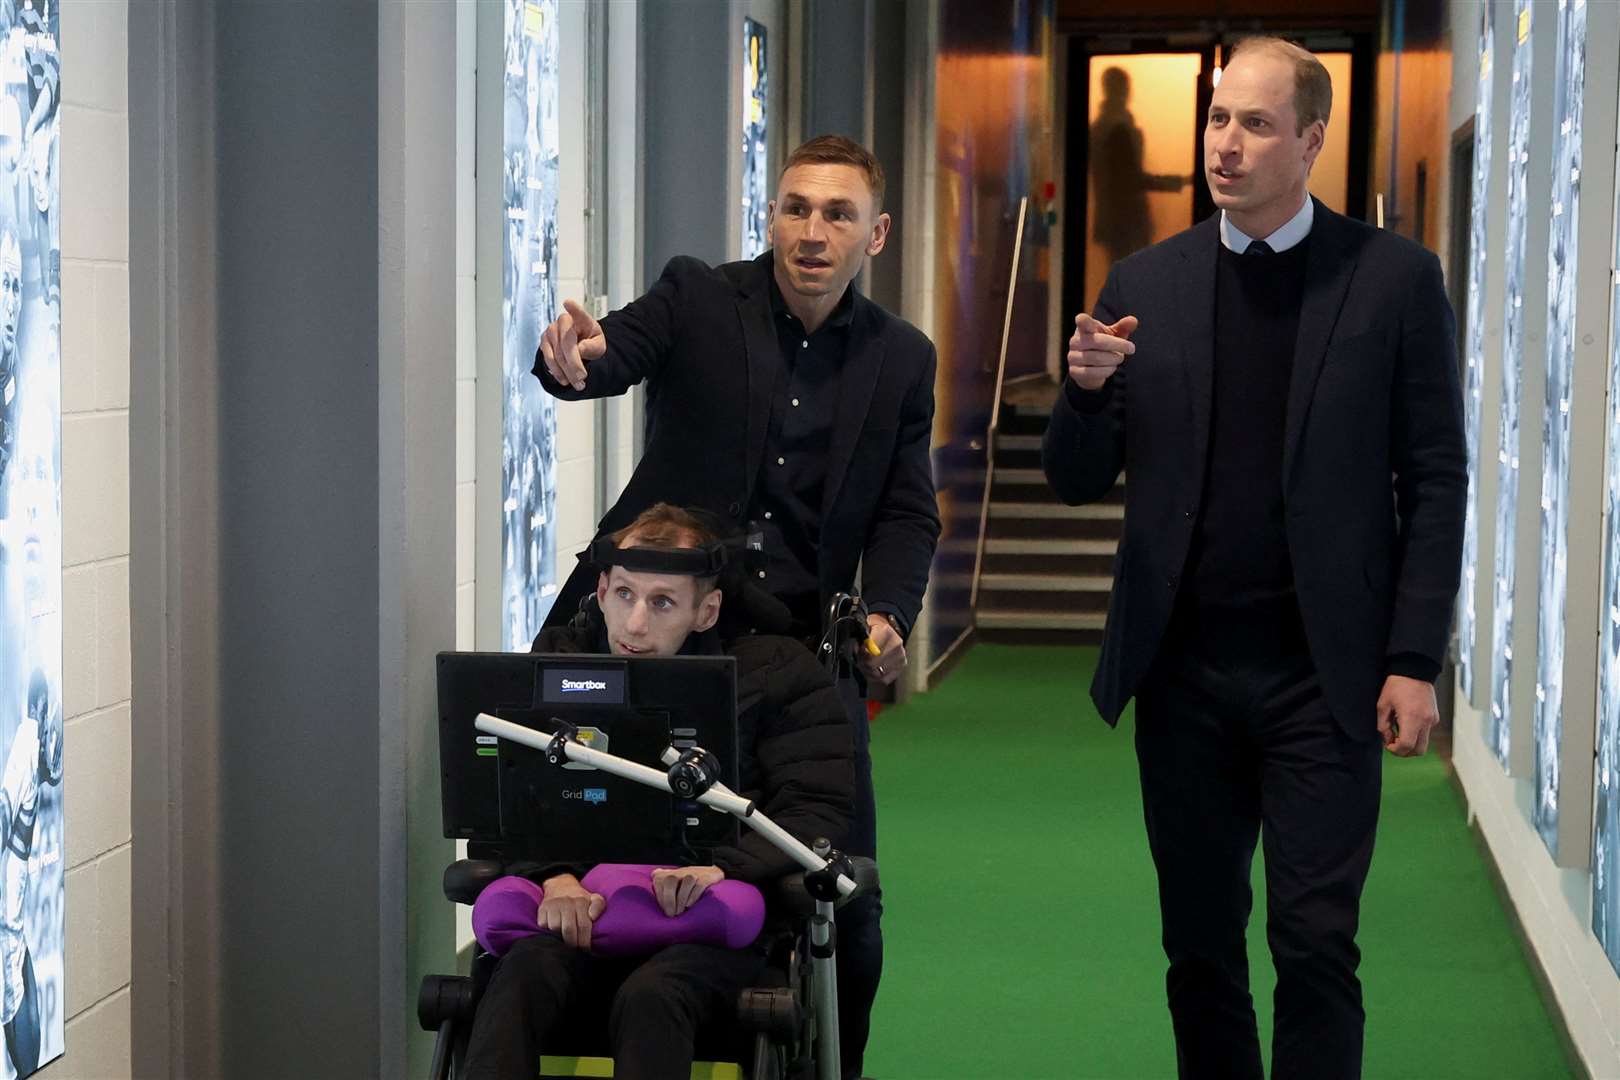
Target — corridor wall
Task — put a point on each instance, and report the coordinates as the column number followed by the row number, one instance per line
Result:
column 1542, row 332
column 96, row 541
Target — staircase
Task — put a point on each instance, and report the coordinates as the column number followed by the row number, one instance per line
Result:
column 1048, row 568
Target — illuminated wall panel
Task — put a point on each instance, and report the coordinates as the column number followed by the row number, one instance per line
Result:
column 1562, row 262
column 530, row 302
column 1606, row 835
column 32, row 1006
column 756, row 184
column 1474, row 370
column 1500, row 724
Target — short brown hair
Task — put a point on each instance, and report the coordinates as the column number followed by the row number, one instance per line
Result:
column 837, row 150
column 668, row 526
column 1313, row 87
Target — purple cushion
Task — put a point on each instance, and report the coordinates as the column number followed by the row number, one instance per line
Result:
column 507, row 911
column 729, row 914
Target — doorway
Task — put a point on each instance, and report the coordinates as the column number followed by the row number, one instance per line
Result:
column 1136, row 112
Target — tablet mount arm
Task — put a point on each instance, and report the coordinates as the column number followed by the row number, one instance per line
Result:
column 692, row 774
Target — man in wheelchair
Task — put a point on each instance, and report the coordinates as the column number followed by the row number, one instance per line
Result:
column 795, row 760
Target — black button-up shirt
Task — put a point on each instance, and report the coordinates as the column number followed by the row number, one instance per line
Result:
column 793, row 472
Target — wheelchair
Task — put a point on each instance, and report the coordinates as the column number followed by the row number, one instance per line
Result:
column 772, row 1035
column 775, row 1032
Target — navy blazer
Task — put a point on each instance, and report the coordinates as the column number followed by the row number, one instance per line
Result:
column 703, row 339
column 1373, row 472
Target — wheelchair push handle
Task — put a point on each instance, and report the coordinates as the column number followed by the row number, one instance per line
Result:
column 845, row 624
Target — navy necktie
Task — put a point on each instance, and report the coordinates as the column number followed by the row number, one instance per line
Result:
column 1258, row 247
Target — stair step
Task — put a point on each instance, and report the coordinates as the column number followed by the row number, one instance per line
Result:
column 1033, row 474
column 1016, row 422
column 1036, row 390
column 1088, row 512
column 1088, row 583
column 1073, row 602
column 1041, row 620
column 1083, row 585
column 1013, row 546
column 1020, row 476
column 1019, row 459
column 1020, row 528
column 1050, row 565
column 1040, row 493
column 1018, row 442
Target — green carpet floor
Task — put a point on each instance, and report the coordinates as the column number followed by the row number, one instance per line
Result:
column 1021, row 919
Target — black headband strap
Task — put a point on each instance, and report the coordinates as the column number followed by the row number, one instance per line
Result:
column 705, row 561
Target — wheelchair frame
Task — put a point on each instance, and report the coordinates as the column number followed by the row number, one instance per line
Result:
column 786, row 1038
column 771, row 1020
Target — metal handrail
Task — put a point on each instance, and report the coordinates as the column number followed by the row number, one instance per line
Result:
column 995, row 411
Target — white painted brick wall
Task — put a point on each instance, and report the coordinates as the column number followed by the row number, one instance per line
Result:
column 576, row 479
column 95, row 538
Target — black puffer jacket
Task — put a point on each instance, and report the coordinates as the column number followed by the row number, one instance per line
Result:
column 795, row 752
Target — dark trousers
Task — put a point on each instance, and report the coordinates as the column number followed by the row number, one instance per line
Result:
column 1236, row 743
column 860, row 926
column 547, row 996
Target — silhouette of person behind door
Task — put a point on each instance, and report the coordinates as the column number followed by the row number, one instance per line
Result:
column 1122, row 223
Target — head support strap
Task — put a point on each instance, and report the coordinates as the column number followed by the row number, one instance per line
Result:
column 707, row 561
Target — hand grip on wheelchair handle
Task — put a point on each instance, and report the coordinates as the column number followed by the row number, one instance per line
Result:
column 845, row 610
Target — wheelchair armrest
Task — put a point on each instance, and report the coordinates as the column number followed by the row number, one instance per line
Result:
column 464, row 879
column 792, row 894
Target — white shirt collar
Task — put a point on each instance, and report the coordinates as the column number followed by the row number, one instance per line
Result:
column 1291, row 232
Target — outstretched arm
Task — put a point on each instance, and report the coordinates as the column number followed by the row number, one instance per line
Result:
column 580, row 358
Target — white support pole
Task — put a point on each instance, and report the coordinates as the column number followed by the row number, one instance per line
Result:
column 718, row 796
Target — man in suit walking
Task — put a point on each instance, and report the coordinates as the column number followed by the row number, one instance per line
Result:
column 778, row 395
column 1279, row 383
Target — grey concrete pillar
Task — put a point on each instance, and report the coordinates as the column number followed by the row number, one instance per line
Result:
column 292, row 431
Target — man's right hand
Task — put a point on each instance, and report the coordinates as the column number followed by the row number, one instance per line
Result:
column 1096, row 350
column 570, row 343
column 569, row 910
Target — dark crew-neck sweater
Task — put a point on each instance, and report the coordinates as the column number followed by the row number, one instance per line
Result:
column 1239, row 559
